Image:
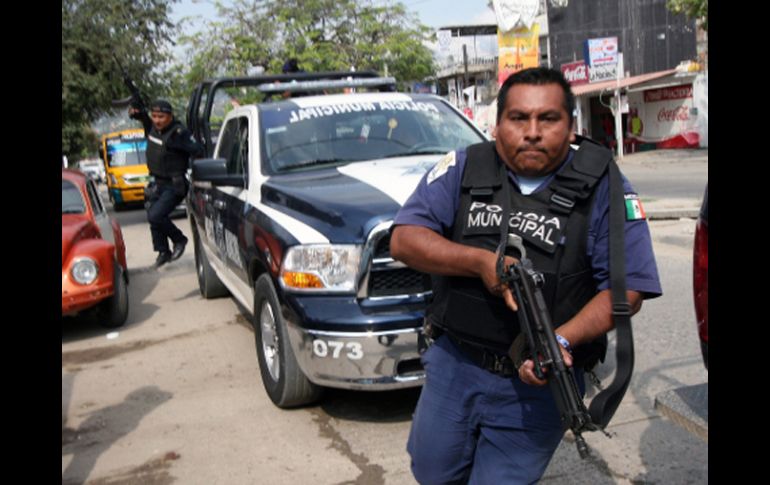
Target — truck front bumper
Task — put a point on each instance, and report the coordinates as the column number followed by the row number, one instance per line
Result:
column 372, row 360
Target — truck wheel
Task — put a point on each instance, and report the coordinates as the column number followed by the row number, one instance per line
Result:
column 284, row 381
column 209, row 283
column 113, row 311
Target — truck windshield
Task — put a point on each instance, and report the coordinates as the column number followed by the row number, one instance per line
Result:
column 345, row 128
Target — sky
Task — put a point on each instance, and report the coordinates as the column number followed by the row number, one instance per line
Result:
column 433, row 13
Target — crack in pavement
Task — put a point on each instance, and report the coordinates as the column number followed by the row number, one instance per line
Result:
column 371, row 474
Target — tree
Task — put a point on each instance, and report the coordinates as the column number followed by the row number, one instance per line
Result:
column 94, row 34
column 322, row 35
column 697, row 9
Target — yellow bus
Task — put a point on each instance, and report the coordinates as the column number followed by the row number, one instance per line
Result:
column 125, row 164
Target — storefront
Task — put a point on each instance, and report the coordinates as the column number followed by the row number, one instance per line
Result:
column 656, row 110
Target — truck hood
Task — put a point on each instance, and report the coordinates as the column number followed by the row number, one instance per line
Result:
column 74, row 228
column 344, row 203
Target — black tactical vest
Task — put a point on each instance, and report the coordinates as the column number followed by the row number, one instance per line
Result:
column 553, row 224
column 160, row 160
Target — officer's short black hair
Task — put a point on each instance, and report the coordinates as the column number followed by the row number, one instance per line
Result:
column 162, row 105
column 537, row 76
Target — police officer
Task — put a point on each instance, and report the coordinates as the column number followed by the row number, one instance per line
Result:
column 480, row 419
column 169, row 148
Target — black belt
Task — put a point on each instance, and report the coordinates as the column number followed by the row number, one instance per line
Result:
column 487, row 359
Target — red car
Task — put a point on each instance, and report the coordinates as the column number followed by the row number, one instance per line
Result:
column 94, row 275
column 701, row 277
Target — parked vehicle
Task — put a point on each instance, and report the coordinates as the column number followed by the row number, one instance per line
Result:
column 94, row 169
column 125, row 163
column 292, row 214
column 701, row 277
column 94, row 271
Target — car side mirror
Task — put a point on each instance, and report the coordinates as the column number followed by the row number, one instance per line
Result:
column 214, row 170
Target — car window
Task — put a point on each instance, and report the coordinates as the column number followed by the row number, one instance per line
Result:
column 71, row 199
column 344, row 131
column 94, row 199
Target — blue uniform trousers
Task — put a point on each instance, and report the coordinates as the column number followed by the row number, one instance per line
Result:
column 473, row 426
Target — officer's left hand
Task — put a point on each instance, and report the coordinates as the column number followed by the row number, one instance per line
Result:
column 527, row 369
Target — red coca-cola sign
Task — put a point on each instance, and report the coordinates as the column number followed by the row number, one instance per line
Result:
column 576, row 73
column 668, row 94
column 679, row 113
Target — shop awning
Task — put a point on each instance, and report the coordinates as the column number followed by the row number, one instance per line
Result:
column 624, row 83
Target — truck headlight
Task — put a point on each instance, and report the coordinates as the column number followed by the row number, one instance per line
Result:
column 85, row 271
column 321, row 267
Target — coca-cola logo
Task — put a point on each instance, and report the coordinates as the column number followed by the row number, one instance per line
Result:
column 680, row 113
column 575, row 73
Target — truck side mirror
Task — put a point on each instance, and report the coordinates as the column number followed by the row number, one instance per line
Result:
column 214, row 170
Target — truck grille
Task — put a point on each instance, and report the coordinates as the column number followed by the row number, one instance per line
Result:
column 404, row 281
column 387, row 277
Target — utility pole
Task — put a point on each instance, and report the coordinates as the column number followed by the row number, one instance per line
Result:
column 465, row 69
column 618, row 108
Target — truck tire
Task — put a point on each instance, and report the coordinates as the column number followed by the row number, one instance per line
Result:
column 113, row 311
column 284, row 381
column 208, row 282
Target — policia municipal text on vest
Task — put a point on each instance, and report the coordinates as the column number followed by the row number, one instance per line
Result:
column 543, row 220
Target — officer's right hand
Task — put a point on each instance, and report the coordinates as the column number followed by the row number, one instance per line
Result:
column 492, row 281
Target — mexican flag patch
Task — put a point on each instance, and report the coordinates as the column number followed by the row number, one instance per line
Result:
column 634, row 209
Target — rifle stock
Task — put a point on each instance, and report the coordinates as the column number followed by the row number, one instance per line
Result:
column 535, row 322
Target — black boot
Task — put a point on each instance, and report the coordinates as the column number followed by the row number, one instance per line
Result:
column 163, row 258
column 178, row 250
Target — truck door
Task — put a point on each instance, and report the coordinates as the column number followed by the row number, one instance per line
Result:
column 231, row 201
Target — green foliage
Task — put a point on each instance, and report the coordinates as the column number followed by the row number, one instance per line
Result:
column 323, row 35
column 135, row 32
column 697, row 9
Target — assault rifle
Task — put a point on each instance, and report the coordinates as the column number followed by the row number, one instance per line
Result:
column 536, row 325
column 135, row 99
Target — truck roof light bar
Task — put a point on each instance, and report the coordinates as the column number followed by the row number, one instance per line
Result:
column 292, row 86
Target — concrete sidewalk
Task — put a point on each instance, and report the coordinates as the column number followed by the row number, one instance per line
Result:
column 662, row 160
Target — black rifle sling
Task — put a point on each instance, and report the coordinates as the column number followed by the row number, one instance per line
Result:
column 604, row 404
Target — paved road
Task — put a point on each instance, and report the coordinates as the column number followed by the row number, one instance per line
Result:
column 175, row 396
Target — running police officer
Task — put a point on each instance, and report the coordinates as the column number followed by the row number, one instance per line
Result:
column 169, row 148
column 480, row 419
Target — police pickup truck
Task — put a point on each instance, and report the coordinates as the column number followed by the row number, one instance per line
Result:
column 291, row 212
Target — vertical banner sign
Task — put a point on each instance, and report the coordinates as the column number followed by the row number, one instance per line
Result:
column 518, row 49
column 444, row 39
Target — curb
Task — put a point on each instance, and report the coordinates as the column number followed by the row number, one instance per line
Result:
column 664, row 214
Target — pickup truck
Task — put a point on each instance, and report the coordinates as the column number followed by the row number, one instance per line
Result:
column 290, row 214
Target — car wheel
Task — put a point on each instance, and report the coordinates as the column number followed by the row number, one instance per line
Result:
column 284, row 381
column 209, row 283
column 113, row 311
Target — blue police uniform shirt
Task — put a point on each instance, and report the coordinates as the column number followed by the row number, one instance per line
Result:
column 435, row 201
